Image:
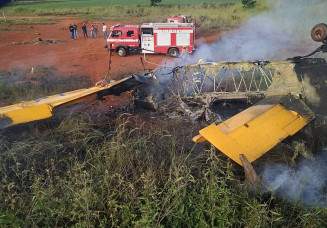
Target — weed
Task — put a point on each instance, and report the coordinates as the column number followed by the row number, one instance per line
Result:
column 40, row 81
column 80, row 174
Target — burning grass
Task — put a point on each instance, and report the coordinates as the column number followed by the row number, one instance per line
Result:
column 80, row 174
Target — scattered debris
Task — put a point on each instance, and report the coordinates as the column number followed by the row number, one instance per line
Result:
column 38, row 40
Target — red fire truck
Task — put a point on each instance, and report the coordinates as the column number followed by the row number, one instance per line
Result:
column 167, row 38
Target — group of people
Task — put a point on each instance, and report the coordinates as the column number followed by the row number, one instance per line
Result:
column 93, row 30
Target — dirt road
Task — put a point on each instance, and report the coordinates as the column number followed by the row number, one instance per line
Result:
column 70, row 57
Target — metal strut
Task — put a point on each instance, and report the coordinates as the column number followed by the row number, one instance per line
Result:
column 322, row 48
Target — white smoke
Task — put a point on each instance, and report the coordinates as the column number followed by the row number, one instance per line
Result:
column 304, row 183
column 282, row 32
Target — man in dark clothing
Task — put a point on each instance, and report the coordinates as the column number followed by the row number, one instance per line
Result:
column 84, row 31
column 71, row 30
column 75, row 30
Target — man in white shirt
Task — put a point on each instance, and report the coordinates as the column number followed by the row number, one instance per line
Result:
column 104, row 29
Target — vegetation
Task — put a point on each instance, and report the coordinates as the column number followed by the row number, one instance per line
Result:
column 106, row 3
column 27, row 21
column 155, row 2
column 249, row 3
column 208, row 15
column 77, row 174
column 9, row 24
column 22, row 84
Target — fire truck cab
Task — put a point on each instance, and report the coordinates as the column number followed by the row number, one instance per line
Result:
column 166, row 38
column 123, row 37
column 177, row 19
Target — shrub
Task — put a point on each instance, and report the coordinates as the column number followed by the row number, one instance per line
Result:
column 249, row 3
column 154, row 2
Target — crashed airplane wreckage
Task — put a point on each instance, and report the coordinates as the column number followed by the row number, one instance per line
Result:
column 284, row 97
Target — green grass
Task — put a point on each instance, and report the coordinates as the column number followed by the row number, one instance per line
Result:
column 208, row 15
column 78, row 174
column 108, row 3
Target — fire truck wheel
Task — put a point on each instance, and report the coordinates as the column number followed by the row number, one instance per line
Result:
column 319, row 32
column 173, row 52
column 121, row 52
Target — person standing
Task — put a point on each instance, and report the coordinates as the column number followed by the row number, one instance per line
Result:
column 96, row 30
column 104, row 29
column 92, row 30
column 84, row 31
column 75, row 30
column 71, row 30
column 184, row 54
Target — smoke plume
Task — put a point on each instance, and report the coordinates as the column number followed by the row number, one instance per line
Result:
column 282, row 32
column 304, row 183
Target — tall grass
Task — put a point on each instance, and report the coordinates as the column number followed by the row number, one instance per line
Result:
column 78, row 174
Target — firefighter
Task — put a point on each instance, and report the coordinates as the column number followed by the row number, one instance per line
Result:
column 198, row 78
column 201, row 61
column 184, row 53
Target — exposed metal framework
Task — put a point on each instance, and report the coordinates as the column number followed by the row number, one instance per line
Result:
column 223, row 78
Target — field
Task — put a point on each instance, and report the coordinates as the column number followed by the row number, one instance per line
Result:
column 105, row 3
column 205, row 12
column 109, row 164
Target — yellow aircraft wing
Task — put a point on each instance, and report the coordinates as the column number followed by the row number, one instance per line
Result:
column 259, row 128
column 42, row 108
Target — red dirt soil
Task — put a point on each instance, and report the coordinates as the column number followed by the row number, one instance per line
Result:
column 72, row 57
